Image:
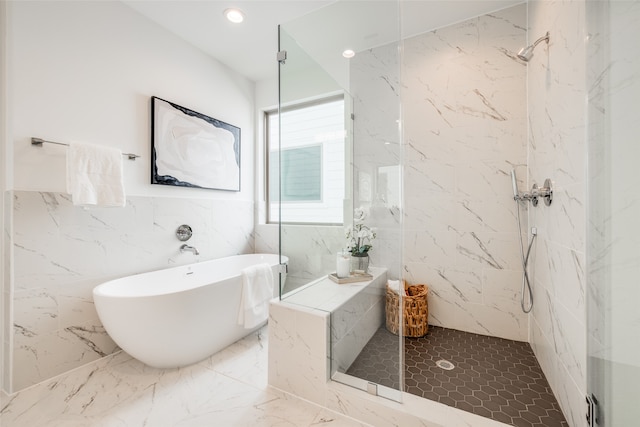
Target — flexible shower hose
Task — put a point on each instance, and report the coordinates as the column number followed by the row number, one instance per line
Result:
column 526, row 285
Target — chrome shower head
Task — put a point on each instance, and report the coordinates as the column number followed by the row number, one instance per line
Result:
column 526, row 53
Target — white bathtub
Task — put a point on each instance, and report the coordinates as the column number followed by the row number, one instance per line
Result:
column 181, row 315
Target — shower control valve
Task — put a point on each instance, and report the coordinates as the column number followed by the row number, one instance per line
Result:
column 545, row 192
column 184, row 233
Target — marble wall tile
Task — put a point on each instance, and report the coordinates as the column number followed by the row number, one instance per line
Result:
column 386, row 251
column 487, row 250
column 349, row 313
column 499, row 319
column 502, row 285
column 61, row 252
column 571, row 347
column 544, row 310
column 346, row 348
column 374, row 83
column 431, row 176
column 464, row 123
column 435, row 248
column 567, row 278
column 545, row 354
column 36, row 311
column 424, row 211
column 570, row 397
column 41, row 356
column 6, row 295
column 267, row 238
column 456, row 285
column 312, row 250
column 299, row 350
column 557, row 124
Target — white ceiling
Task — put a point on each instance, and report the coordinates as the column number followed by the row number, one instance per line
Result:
column 250, row 47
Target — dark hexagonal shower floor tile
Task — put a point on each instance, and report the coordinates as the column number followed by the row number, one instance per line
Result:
column 492, row 377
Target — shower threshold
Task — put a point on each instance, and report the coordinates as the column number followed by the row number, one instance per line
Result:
column 492, row 377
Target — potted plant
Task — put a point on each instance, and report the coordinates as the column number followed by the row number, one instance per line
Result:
column 359, row 239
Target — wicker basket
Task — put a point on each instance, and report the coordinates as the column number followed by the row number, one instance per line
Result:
column 414, row 311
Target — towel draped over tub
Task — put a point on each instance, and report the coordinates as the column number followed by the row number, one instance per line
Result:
column 257, row 290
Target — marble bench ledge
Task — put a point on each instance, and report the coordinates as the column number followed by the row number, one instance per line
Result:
column 303, row 325
column 326, row 295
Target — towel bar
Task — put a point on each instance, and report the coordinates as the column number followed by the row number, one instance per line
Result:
column 40, row 141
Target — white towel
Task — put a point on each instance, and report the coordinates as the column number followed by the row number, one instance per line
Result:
column 94, row 175
column 257, row 290
column 394, row 285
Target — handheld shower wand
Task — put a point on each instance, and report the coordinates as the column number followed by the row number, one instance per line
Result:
column 514, row 183
column 526, row 284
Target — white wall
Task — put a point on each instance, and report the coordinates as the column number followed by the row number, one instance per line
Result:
column 85, row 71
column 557, row 121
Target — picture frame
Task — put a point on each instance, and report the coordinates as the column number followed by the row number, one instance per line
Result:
column 190, row 149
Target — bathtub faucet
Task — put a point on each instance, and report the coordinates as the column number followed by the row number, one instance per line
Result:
column 186, row 248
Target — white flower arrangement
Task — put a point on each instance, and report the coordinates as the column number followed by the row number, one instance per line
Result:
column 359, row 214
column 359, row 237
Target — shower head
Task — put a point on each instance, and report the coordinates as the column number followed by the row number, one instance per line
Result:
column 526, row 53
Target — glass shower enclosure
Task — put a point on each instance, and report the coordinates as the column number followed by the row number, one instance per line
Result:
column 613, row 233
column 338, row 152
column 338, row 119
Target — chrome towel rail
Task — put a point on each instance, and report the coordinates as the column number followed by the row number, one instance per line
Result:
column 40, row 141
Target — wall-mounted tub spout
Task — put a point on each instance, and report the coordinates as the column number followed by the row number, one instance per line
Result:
column 186, row 248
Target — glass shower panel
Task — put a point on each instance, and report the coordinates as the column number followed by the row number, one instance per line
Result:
column 308, row 166
column 374, row 83
column 613, row 342
column 315, row 79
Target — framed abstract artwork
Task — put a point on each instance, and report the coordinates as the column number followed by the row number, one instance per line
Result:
column 189, row 149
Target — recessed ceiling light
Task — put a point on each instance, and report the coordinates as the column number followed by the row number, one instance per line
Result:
column 348, row 53
column 234, row 15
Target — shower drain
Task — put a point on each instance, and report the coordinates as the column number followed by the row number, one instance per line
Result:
column 445, row 364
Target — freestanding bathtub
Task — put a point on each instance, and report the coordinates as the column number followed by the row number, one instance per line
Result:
column 181, row 315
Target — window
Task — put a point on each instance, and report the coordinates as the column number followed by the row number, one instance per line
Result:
column 310, row 163
column 301, row 174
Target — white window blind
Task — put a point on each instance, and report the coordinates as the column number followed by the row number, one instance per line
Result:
column 310, row 165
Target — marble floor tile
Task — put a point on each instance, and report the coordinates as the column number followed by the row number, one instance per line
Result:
column 227, row 389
